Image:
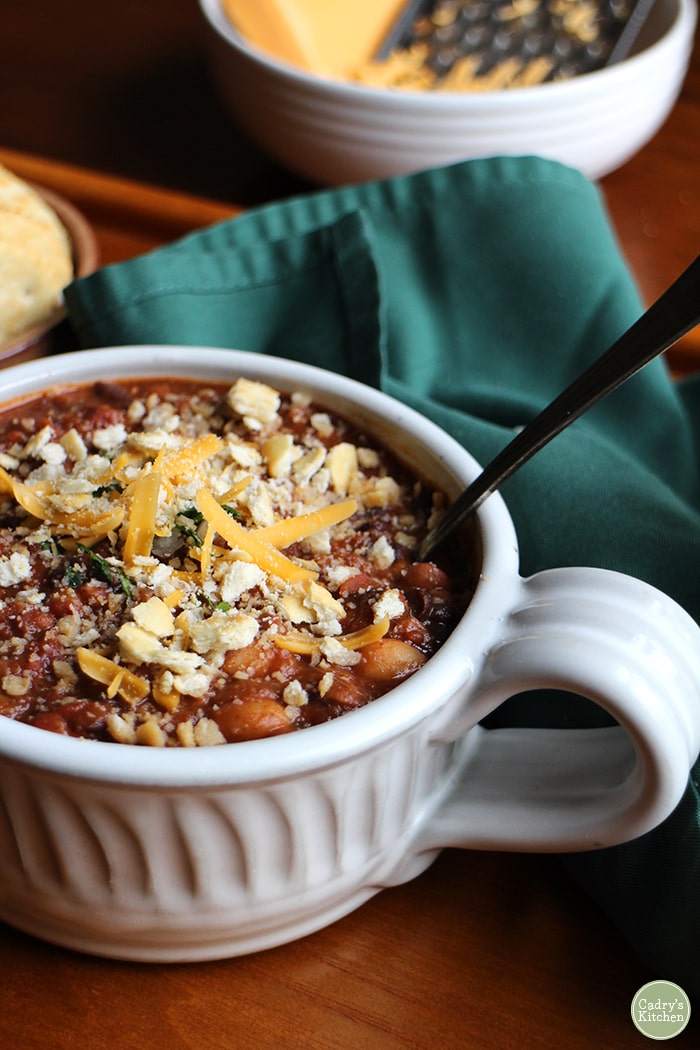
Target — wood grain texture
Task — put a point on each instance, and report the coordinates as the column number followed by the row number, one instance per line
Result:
column 489, row 951
column 109, row 104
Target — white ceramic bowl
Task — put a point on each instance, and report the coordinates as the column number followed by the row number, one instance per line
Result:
column 195, row 853
column 336, row 133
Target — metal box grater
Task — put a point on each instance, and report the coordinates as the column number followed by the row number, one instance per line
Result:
column 558, row 38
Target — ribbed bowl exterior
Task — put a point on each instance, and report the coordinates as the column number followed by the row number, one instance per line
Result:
column 161, row 874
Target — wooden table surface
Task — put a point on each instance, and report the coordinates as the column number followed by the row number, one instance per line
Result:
column 109, row 103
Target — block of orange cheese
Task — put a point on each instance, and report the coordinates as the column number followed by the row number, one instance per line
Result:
column 326, row 37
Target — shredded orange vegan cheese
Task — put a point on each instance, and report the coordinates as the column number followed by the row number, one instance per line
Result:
column 142, row 522
column 183, row 462
column 263, row 554
column 118, row 679
column 298, row 642
column 290, row 530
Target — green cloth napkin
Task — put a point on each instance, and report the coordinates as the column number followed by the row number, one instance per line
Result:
column 474, row 293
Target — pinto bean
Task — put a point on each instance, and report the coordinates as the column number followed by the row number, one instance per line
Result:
column 260, row 661
column 252, row 720
column 390, row 659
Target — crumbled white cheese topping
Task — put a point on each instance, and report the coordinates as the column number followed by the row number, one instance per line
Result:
column 15, row 569
column 109, row 437
column 390, row 604
column 336, row 653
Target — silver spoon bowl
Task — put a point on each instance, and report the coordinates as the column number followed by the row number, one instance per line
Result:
column 674, row 314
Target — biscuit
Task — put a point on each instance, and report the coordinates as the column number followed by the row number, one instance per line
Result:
column 17, row 196
column 35, row 258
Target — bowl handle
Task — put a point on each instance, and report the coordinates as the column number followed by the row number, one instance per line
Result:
column 623, row 645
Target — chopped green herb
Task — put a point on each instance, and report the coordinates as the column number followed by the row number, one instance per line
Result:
column 113, row 486
column 51, row 545
column 112, row 575
column 232, row 511
column 189, row 533
column 193, row 514
column 196, row 517
column 74, row 576
column 125, row 584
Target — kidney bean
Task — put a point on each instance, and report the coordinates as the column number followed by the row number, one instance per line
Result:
column 414, row 632
column 112, row 394
column 50, row 720
column 426, row 576
column 14, row 706
column 348, row 689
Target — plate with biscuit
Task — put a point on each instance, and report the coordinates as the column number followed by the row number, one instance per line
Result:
column 45, row 242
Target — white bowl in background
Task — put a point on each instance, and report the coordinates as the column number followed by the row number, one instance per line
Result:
column 336, row 133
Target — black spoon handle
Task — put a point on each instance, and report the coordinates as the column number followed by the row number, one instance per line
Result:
column 676, row 312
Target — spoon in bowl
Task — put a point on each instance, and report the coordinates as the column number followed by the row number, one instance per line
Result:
column 674, row 314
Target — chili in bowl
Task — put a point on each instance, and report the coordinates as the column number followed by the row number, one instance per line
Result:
column 233, row 706
column 185, row 564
